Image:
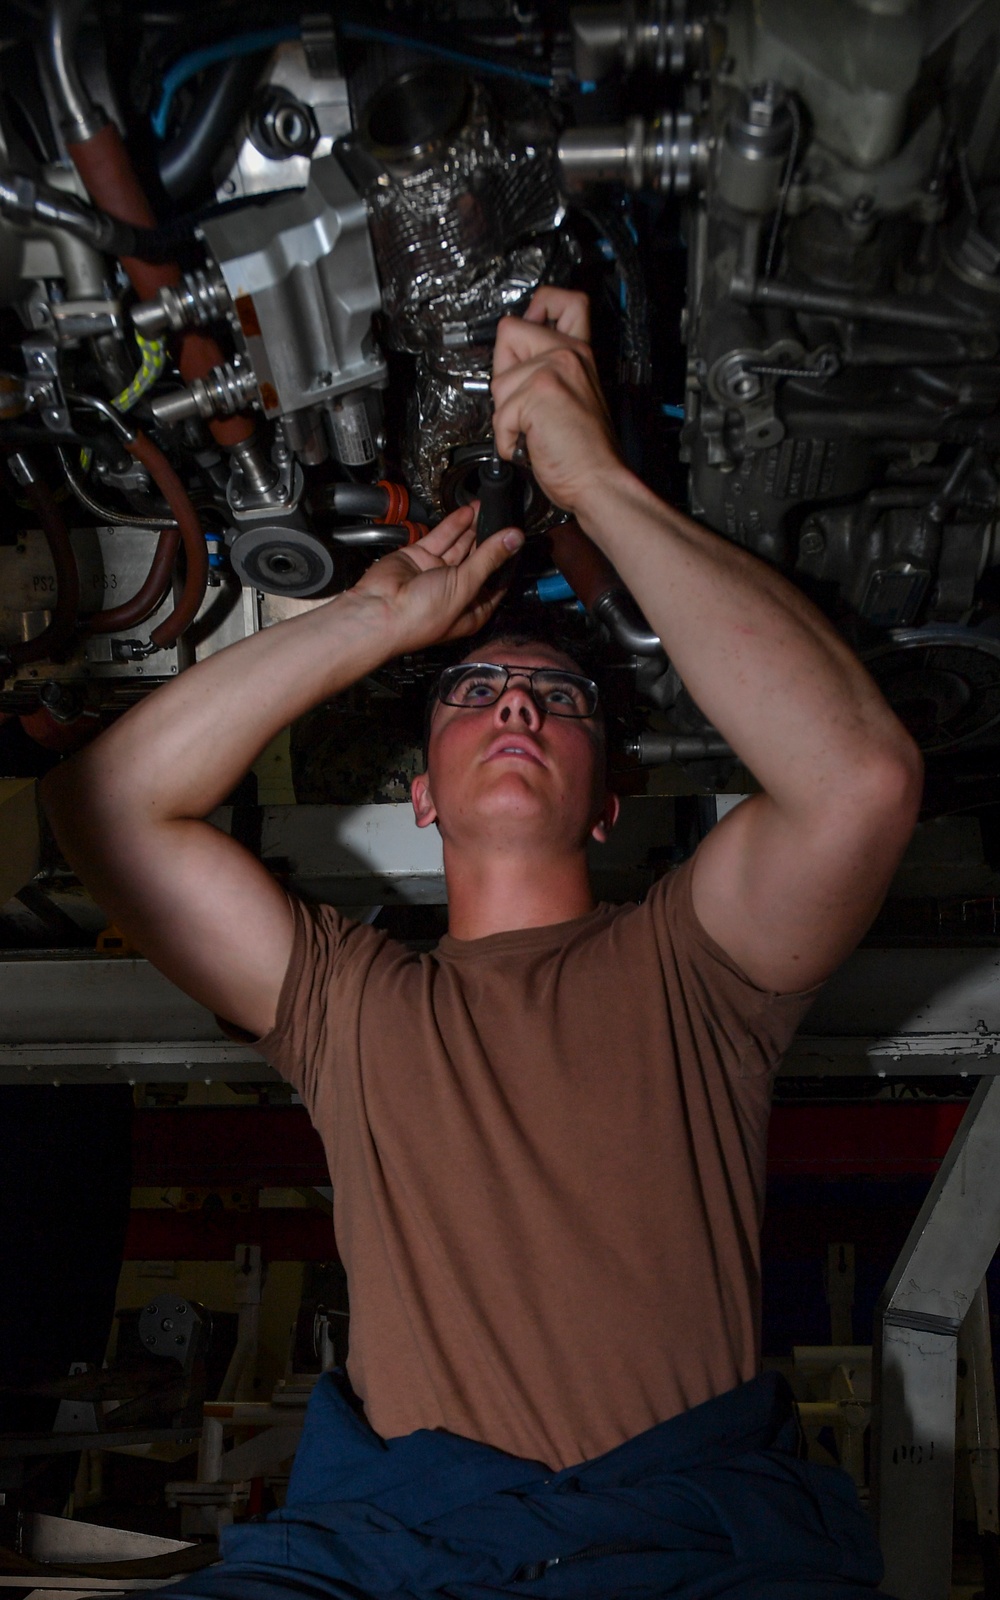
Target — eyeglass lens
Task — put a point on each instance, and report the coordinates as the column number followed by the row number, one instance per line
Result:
column 559, row 694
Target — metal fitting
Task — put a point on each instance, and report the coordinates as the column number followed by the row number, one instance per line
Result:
column 262, row 488
column 224, row 391
column 626, row 624
column 667, row 155
column 658, row 749
column 283, row 126
column 132, row 649
column 657, row 35
column 21, row 470
column 754, row 149
column 199, row 298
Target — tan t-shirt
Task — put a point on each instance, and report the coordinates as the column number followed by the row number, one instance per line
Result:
column 547, row 1150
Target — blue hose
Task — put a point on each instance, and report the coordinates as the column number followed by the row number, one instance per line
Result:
column 554, row 588
column 245, row 44
column 498, row 69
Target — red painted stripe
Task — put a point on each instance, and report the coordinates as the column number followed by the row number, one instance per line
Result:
column 881, row 1139
column 213, row 1235
column 276, row 1146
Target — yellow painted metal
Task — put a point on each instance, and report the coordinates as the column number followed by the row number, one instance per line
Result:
column 18, row 835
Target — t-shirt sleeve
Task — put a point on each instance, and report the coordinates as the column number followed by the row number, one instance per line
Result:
column 326, row 969
column 752, row 1027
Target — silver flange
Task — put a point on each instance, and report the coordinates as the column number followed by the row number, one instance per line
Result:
column 667, row 154
column 199, row 298
column 225, row 390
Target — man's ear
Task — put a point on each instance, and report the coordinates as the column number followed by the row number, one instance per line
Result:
column 607, row 819
column 424, row 809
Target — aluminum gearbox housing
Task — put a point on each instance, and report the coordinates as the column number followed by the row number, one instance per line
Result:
column 302, row 277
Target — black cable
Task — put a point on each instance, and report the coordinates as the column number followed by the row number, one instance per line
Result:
column 186, row 160
column 636, row 349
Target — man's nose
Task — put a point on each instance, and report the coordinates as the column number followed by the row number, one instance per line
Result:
column 517, row 705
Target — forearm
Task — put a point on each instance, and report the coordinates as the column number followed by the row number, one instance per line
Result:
column 758, row 659
column 184, row 748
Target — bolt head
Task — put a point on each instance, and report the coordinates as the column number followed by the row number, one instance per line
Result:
column 812, row 542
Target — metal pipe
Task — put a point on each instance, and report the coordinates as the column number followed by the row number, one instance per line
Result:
column 626, row 624
column 822, row 303
column 596, row 583
column 81, row 118
column 384, row 537
column 108, row 513
column 657, row 749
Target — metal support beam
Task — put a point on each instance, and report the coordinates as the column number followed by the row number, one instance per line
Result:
column 922, row 1308
column 86, row 1017
column 83, row 1017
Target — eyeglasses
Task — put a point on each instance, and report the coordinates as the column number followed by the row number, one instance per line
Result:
column 474, row 684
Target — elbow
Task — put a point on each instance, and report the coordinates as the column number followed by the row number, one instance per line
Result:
column 892, row 786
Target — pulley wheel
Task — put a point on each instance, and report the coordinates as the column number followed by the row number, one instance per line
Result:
column 942, row 682
column 278, row 560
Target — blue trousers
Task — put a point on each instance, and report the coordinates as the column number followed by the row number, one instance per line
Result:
column 715, row 1502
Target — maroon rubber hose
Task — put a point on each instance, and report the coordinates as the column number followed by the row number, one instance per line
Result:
column 109, row 178
column 191, row 533
column 586, row 569
column 149, row 597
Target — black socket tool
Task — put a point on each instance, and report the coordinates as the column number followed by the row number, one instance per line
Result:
column 501, row 503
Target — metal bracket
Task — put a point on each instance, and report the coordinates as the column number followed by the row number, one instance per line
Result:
column 931, row 1289
column 43, row 384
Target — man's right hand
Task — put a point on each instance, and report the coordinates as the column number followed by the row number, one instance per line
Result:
column 433, row 591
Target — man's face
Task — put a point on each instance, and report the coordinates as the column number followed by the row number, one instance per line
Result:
column 512, row 774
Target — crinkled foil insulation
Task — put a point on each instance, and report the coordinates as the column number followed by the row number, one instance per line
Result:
column 463, row 239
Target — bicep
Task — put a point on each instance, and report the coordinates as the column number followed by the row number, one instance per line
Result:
column 789, row 898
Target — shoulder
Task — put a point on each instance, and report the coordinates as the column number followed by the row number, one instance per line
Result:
column 325, row 935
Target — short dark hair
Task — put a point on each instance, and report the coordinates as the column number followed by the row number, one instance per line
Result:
column 523, row 634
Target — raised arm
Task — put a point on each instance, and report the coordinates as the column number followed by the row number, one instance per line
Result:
column 790, row 880
column 128, row 811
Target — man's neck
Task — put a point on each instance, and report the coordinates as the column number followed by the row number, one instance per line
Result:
column 498, row 892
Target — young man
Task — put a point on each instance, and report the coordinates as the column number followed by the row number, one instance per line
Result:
column 546, row 1139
